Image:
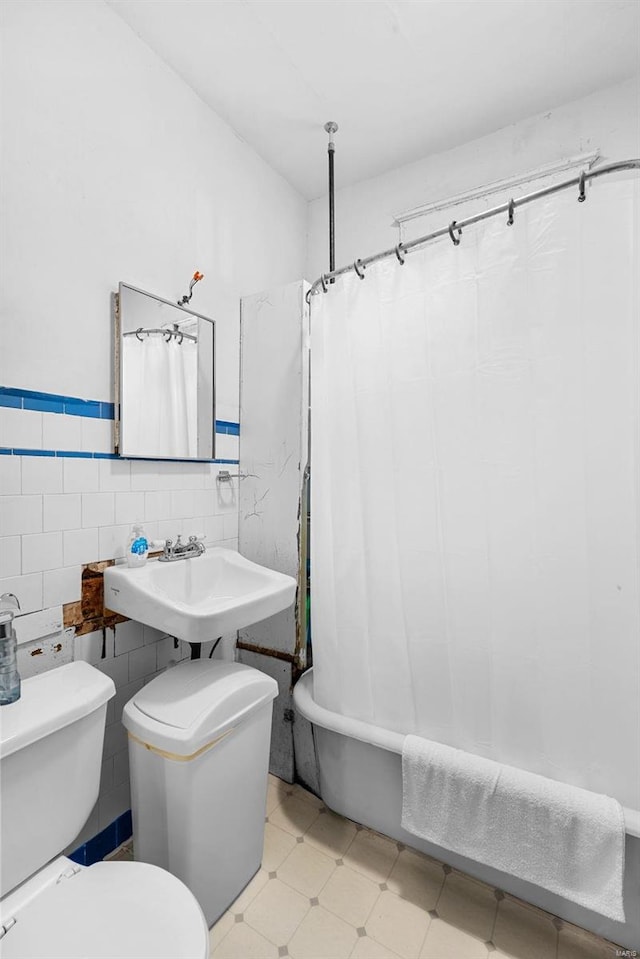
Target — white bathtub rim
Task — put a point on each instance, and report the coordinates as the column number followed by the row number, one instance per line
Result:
column 383, row 738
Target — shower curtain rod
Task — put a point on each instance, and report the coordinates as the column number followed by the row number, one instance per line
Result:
column 454, row 227
column 168, row 334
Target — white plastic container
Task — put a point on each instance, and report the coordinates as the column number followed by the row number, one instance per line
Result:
column 137, row 547
column 199, row 752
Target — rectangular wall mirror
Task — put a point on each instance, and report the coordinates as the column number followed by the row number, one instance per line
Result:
column 164, row 378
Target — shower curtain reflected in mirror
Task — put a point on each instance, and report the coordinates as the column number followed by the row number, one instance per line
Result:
column 159, row 392
column 475, row 492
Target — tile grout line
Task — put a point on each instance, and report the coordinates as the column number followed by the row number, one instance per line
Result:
column 545, row 914
column 323, row 852
column 366, row 876
column 444, row 879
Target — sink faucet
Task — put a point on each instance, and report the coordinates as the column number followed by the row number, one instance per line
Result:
column 179, row 550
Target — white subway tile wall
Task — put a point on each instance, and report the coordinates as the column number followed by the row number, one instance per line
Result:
column 61, row 432
column 10, row 556
column 42, row 474
column 60, row 512
column 10, row 475
column 20, row 428
column 62, row 586
column 98, row 509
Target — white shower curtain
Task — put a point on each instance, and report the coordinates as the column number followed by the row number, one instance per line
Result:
column 159, row 397
column 474, row 447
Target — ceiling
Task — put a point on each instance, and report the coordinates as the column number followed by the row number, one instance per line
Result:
column 402, row 78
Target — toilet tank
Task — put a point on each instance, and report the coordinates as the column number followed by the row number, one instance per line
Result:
column 50, row 759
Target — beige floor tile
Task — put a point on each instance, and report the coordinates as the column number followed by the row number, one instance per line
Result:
column 249, row 892
column 277, row 911
column 306, row 870
column 243, row 942
column 468, row 905
column 448, row 942
column 282, row 788
column 350, row 895
column 372, row 854
column 321, row 935
column 274, row 798
column 416, row 878
column 123, row 853
column 574, row 943
column 301, row 793
column 220, row 929
column 398, row 925
column 331, row 834
column 524, row 933
column 366, row 948
column 277, row 846
column 294, row 815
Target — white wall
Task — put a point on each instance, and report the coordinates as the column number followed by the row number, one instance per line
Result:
column 273, row 455
column 609, row 121
column 113, row 169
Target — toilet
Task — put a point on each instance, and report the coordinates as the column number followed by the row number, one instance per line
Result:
column 50, row 760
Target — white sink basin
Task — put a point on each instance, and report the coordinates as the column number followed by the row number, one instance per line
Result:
column 198, row 599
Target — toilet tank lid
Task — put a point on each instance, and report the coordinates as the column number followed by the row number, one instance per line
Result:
column 51, row 701
column 194, row 701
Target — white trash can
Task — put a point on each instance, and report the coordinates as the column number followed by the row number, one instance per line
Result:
column 199, row 757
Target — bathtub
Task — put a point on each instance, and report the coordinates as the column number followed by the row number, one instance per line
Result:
column 359, row 768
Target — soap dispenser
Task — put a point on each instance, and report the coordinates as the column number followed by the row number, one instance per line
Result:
column 138, row 547
column 9, row 676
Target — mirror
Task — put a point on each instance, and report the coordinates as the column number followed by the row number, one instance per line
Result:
column 164, row 371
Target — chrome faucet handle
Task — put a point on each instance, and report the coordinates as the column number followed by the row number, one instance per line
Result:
column 179, row 542
column 196, row 543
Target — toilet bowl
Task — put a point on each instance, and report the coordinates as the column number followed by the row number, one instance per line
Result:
column 50, row 758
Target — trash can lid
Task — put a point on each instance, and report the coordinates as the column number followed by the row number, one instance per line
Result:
column 194, row 702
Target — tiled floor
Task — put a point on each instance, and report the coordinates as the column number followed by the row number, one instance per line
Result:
column 331, row 889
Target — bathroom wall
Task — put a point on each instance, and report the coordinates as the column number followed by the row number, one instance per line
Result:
column 112, row 169
column 273, row 461
column 608, row 121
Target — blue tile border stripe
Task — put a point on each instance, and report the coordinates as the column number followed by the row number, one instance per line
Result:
column 95, row 849
column 54, row 403
column 81, row 454
column 75, row 406
column 227, row 428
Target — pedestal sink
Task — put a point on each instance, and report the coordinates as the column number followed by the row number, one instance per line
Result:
column 200, row 598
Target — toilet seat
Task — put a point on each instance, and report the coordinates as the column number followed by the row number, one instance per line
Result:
column 111, row 910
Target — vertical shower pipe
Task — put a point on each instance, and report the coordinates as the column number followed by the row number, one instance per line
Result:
column 331, row 128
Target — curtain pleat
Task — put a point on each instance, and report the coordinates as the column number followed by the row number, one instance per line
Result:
column 474, row 492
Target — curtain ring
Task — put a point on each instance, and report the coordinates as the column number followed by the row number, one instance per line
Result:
column 399, row 250
column 512, row 207
column 307, row 296
column 453, row 239
column 358, row 267
column 138, row 332
column 581, row 194
column 323, row 282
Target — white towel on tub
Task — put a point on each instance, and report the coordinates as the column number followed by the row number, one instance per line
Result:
column 560, row 837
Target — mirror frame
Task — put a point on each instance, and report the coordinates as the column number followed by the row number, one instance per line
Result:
column 116, row 300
